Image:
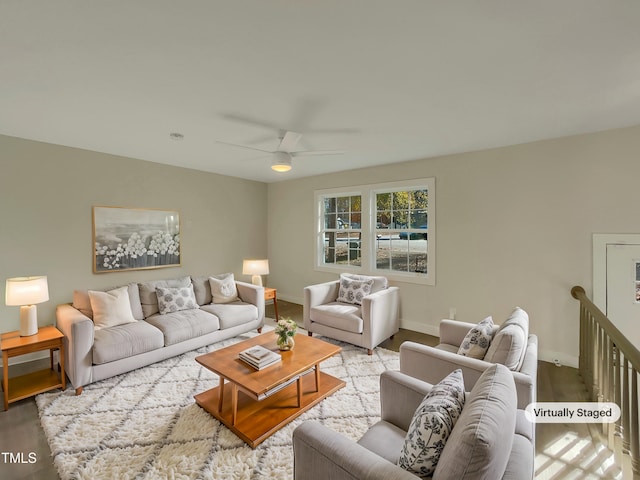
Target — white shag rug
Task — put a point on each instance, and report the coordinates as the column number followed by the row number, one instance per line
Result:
column 145, row 424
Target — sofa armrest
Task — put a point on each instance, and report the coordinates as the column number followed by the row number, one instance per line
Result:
column 253, row 294
column 380, row 314
column 452, row 332
column 320, row 453
column 431, row 365
column 400, row 397
column 78, row 333
column 318, row 294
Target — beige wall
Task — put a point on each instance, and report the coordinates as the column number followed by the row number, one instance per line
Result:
column 46, row 195
column 514, row 227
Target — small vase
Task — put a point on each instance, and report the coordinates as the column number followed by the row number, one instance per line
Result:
column 286, row 343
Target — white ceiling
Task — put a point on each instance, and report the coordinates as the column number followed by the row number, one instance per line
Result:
column 386, row 81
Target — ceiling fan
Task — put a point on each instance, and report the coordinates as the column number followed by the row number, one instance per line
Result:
column 282, row 155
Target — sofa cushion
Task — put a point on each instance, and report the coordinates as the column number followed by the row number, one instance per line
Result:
column 385, row 440
column 509, row 343
column 175, row 299
column 232, row 314
column 432, row 424
column 149, row 298
column 353, row 288
column 223, row 288
column 202, row 289
column 476, row 342
column 124, row 341
column 480, row 444
column 379, row 282
column 82, row 302
column 111, row 308
column 342, row 316
column 180, row 326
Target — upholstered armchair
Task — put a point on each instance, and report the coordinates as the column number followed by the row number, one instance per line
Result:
column 490, row 439
column 430, row 364
column 348, row 311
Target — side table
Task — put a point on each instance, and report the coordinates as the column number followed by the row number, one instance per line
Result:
column 271, row 294
column 13, row 345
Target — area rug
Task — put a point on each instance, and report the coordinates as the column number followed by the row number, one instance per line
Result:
column 145, row 424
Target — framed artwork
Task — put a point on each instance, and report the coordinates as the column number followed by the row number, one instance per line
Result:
column 135, row 239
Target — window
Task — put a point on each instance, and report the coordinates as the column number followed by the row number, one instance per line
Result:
column 341, row 233
column 385, row 229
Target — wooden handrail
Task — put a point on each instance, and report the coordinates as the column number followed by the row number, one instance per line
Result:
column 609, row 365
column 618, row 338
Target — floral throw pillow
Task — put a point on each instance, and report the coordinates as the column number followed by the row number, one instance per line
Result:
column 354, row 288
column 172, row 300
column 476, row 342
column 431, row 425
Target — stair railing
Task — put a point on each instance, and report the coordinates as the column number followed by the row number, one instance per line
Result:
column 609, row 364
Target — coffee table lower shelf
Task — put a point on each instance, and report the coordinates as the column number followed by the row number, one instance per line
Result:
column 257, row 420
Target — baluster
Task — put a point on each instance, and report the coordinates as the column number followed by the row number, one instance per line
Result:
column 635, row 444
column 626, row 423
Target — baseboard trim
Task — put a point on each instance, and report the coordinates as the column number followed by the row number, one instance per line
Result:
column 419, row 327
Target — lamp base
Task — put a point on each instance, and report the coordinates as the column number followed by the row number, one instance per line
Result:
column 256, row 280
column 28, row 320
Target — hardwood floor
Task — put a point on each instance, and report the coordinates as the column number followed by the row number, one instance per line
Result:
column 563, row 451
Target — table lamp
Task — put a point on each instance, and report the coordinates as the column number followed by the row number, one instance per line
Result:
column 255, row 268
column 26, row 292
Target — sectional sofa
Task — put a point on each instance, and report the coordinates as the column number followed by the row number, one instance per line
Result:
column 147, row 334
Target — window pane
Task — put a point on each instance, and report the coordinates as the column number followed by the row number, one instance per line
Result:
column 419, row 199
column 330, row 221
column 343, row 204
column 418, row 219
column 383, row 201
column 329, row 205
column 356, row 203
column 356, row 219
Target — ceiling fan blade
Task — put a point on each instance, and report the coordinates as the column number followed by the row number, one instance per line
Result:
column 289, row 141
column 244, row 146
column 317, row 152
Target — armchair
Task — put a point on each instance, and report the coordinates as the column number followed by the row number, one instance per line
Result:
column 430, row 364
column 365, row 325
column 491, row 439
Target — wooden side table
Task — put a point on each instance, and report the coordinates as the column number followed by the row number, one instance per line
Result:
column 24, row 386
column 271, row 294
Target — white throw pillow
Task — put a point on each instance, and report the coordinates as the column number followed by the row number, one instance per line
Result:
column 175, row 299
column 354, row 288
column 432, row 424
column 509, row 344
column 111, row 308
column 223, row 288
column 476, row 342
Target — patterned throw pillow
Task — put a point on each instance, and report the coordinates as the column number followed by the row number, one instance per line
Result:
column 172, row 300
column 432, row 424
column 223, row 288
column 477, row 341
column 354, row 288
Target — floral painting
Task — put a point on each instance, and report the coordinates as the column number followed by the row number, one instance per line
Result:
column 134, row 238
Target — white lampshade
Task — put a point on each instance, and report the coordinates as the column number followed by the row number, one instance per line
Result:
column 255, row 268
column 26, row 292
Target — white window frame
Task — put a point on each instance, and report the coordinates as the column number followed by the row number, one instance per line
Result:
column 368, row 229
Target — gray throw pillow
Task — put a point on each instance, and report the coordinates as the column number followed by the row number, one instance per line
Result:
column 509, row 344
column 432, row 424
column 354, row 288
column 476, row 342
column 172, row 300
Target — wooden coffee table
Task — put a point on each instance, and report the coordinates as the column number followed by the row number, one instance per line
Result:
column 257, row 403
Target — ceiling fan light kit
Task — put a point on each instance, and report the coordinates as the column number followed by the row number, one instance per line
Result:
column 282, row 155
column 281, row 162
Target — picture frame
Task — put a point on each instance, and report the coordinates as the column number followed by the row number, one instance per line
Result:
column 135, row 239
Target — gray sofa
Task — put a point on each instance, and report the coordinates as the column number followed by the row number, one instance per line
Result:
column 491, row 439
column 95, row 354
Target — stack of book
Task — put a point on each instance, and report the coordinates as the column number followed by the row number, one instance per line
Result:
column 259, row 357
